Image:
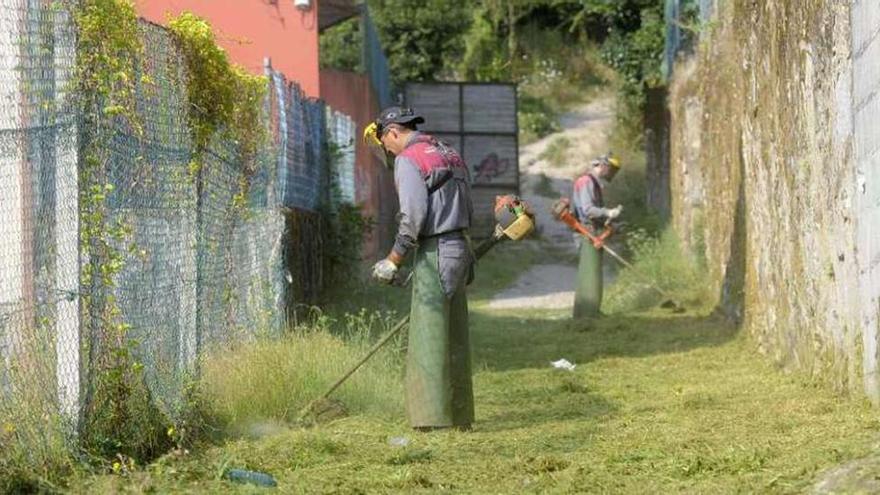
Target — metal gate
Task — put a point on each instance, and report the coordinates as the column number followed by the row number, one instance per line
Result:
column 478, row 120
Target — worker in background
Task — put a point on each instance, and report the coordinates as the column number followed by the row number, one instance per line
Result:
column 433, row 188
column 589, row 209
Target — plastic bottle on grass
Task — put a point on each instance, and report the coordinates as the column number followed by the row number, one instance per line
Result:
column 250, row 477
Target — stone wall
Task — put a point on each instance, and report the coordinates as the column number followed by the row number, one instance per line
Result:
column 866, row 137
column 774, row 140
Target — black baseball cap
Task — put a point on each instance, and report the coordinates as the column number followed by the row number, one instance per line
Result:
column 398, row 115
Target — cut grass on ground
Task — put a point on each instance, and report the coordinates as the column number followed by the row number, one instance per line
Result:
column 657, row 404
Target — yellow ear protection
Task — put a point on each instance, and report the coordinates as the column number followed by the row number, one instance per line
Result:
column 371, row 135
column 612, row 159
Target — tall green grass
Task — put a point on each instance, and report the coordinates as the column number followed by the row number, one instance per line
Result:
column 266, row 382
column 658, row 261
column 35, row 454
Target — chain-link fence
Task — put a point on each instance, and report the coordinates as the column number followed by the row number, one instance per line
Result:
column 684, row 19
column 341, row 130
column 376, row 62
column 39, row 247
column 198, row 265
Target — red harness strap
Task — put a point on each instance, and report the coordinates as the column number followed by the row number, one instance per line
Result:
column 597, row 188
column 431, row 154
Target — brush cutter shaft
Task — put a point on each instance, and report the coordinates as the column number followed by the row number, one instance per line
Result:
column 629, row 265
column 562, row 213
column 482, row 249
column 489, row 243
column 384, row 340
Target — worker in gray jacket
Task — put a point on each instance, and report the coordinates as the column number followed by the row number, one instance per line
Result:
column 433, row 188
column 588, row 207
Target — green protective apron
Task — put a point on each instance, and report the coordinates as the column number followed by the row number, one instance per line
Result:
column 439, row 391
column 588, row 286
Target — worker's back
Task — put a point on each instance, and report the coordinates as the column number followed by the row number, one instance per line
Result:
column 449, row 206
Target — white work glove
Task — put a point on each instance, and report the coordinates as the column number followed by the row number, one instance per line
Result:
column 613, row 213
column 384, row 271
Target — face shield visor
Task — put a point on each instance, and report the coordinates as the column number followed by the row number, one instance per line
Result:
column 373, row 140
column 612, row 164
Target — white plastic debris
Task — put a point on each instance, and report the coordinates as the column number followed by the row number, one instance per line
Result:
column 563, row 364
column 398, row 441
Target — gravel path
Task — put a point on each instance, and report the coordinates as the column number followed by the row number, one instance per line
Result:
column 551, row 285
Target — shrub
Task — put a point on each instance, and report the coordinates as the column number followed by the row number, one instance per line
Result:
column 536, row 118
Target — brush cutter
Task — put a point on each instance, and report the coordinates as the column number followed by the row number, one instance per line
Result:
column 515, row 220
column 562, row 212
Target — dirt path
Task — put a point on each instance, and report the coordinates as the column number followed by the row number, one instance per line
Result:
column 551, row 285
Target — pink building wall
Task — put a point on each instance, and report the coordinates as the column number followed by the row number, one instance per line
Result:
column 353, row 95
column 250, row 30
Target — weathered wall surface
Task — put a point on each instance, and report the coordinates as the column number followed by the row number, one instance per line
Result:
column 775, row 156
column 866, row 112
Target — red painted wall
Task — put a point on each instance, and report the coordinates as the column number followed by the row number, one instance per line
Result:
column 250, row 30
column 353, row 95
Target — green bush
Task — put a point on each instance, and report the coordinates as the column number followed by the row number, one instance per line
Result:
column 341, row 47
column 637, row 57
column 421, row 39
column 270, row 381
column 536, row 119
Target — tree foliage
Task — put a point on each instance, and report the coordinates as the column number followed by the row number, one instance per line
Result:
column 486, row 39
column 424, row 39
column 342, row 46
column 544, row 45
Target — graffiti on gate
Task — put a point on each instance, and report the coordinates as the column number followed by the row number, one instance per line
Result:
column 491, row 167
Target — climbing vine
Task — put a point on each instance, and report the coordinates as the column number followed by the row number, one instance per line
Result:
column 119, row 420
column 222, row 97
